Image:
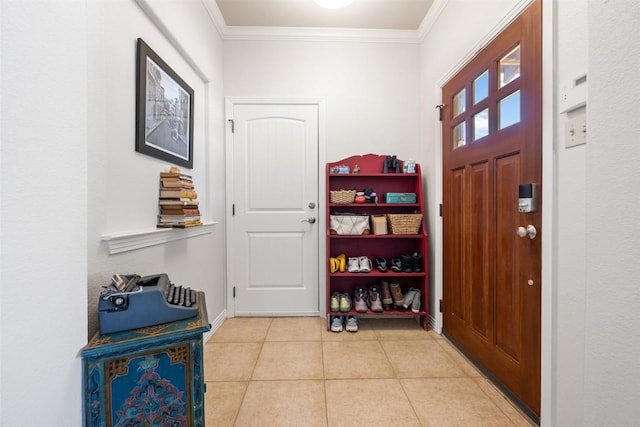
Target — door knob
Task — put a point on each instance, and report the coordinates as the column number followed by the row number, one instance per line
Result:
column 530, row 232
column 311, row 220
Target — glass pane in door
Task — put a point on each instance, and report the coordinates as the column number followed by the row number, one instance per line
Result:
column 458, row 135
column 459, row 103
column 509, row 67
column 509, row 110
column 481, row 124
column 481, row 87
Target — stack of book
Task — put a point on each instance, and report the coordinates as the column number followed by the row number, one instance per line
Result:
column 178, row 201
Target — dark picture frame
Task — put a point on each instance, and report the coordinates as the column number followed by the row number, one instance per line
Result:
column 164, row 110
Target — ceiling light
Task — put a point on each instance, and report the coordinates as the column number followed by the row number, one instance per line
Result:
column 333, row 4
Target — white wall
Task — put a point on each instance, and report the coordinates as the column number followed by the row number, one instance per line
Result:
column 43, row 215
column 570, row 226
column 123, row 190
column 612, row 293
column 67, row 135
column 369, row 89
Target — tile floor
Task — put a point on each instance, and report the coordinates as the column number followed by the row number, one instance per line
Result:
column 293, row 372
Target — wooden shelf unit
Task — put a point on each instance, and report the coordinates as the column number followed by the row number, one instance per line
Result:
column 388, row 246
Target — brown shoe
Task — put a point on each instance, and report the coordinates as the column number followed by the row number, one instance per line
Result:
column 387, row 299
column 396, row 293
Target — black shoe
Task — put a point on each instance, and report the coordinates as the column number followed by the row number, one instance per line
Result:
column 381, row 264
column 407, row 263
column 416, row 262
column 396, row 265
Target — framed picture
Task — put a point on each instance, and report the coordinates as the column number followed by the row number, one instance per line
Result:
column 164, row 110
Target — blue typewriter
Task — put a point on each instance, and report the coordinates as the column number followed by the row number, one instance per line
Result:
column 132, row 301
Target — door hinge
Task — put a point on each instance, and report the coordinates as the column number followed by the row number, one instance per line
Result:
column 234, row 293
column 440, row 308
column 440, row 107
column 233, row 126
column 233, row 209
column 440, row 209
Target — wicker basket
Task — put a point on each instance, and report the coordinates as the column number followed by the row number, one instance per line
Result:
column 404, row 223
column 342, row 196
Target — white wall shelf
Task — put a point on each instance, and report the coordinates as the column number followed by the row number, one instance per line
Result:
column 129, row 241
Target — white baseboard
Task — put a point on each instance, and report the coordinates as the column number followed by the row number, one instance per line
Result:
column 217, row 322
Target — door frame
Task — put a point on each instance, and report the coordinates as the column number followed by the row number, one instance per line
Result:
column 230, row 103
column 547, row 316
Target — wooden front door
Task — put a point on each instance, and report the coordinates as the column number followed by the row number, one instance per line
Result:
column 492, row 143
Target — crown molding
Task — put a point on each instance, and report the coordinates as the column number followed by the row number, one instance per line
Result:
column 307, row 33
column 430, row 18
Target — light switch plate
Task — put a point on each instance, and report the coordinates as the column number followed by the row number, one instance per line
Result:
column 575, row 132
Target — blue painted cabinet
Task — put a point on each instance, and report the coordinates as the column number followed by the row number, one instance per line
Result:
column 151, row 376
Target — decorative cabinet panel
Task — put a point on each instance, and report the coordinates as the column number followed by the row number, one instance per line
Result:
column 149, row 376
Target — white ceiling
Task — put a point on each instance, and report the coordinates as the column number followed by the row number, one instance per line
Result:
column 361, row 14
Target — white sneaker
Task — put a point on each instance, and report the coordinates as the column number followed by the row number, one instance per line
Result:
column 353, row 265
column 336, row 323
column 352, row 324
column 365, row 264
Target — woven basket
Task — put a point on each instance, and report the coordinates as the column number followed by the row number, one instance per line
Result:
column 342, row 196
column 404, row 223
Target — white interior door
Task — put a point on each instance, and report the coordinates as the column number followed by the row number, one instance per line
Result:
column 273, row 238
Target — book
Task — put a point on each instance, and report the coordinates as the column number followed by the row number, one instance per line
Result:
column 179, row 210
column 172, row 184
column 175, row 175
column 178, row 194
column 179, row 202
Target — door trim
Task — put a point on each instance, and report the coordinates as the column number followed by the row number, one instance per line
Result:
column 230, row 102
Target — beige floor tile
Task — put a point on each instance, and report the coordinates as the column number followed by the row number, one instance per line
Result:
column 357, row 359
column 365, row 332
column 503, row 403
column 445, row 402
column 222, row 402
column 230, row 361
column 283, row 403
column 433, row 334
column 468, row 367
column 368, row 402
column 242, row 329
column 289, row 361
column 295, row 329
column 420, row 359
column 399, row 329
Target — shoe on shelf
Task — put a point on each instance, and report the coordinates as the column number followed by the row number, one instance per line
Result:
column 353, row 266
column 342, row 263
column 334, row 264
column 387, row 299
column 375, row 304
column 407, row 263
column 396, row 265
column 351, row 324
column 381, row 264
column 336, row 323
column 416, row 262
column 396, row 294
column 359, row 300
column 416, row 304
column 365, row 264
column 345, row 303
column 408, row 297
column 335, row 302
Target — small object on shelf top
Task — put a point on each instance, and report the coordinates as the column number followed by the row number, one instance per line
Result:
column 340, row 169
column 356, row 169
